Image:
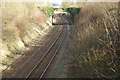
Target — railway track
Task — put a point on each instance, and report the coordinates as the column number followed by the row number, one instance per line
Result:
column 8, row 73
column 41, row 67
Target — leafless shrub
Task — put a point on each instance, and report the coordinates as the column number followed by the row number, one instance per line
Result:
column 96, row 35
column 19, row 25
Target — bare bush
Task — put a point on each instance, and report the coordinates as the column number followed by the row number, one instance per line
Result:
column 96, row 35
column 21, row 24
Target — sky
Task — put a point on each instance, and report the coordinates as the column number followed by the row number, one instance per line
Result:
column 56, row 1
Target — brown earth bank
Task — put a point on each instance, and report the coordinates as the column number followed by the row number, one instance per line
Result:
column 30, row 58
column 22, row 23
column 21, row 67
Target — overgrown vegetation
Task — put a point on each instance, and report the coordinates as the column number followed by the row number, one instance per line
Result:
column 73, row 11
column 48, row 10
column 96, row 42
column 22, row 23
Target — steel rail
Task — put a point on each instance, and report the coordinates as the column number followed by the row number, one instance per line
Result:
column 48, row 65
column 32, row 55
column 29, row 57
column 44, row 54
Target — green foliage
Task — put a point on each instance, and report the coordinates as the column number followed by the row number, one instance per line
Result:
column 73, row 11
column 65, row 9
column 9, row 57
column 48, row 10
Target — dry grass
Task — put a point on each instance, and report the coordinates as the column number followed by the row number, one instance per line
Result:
column 21, row 24
column 96, row 38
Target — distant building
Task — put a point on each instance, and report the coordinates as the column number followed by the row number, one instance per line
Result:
column 59, row 10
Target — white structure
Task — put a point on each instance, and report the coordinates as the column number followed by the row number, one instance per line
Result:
column 58, row 12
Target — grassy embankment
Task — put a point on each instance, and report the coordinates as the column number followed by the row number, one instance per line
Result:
column 22, row 23
column 96, row 42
